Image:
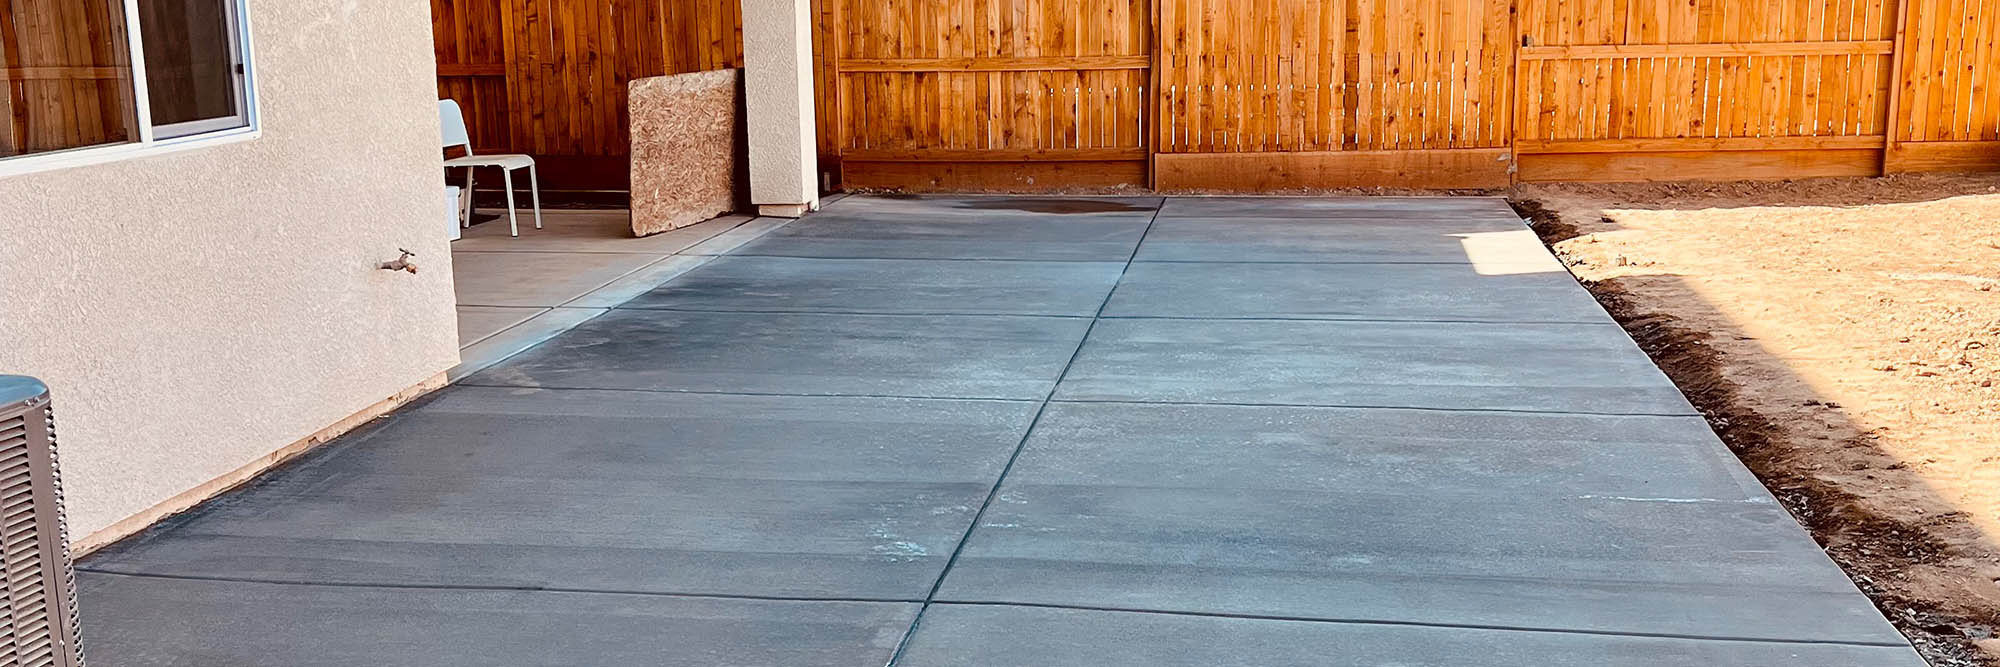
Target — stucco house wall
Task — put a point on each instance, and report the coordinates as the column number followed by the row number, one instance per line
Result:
column 199, row 311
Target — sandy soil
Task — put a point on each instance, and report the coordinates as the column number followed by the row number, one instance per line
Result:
column 1843, row 335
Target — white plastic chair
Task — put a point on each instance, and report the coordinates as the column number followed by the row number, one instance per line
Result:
column 451, row 121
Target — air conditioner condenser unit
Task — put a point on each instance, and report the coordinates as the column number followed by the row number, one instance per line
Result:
column 38, row 617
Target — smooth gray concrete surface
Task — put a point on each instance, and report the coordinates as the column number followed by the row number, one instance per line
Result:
column 516, row 292
column 1024, row 431
column 1438, row 240
column 1590, row 368
column 627, row 491
column 544, row 279
column 802, row 353
column 1456, row 518
column 474, row 356
column 590, row 231
column 1072, row 229
column 477, row 323
column 1400, row 292
column 156, row 622
column 1074, row 638
column 793, row 284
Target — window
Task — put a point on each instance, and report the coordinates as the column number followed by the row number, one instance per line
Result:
column 108, row 77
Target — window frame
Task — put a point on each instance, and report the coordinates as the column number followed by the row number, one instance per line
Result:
column 147, row 144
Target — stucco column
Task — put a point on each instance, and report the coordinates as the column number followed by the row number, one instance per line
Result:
column 778, row 99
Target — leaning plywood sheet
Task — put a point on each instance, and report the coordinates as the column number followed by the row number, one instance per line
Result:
column 685, row 149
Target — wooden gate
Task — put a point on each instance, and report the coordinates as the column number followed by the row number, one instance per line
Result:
column 985, row 94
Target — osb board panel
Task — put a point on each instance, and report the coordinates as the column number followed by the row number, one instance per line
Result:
column 1699, row 166
column 685, row 149
column 1945, row 156
column 993, row 176
column 1256, row 172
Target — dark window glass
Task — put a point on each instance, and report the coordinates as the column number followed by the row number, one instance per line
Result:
column 194, row 66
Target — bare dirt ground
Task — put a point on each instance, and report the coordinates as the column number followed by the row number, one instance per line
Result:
column 1843, row 335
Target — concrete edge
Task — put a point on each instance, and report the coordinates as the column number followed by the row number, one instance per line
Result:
column 191, row 498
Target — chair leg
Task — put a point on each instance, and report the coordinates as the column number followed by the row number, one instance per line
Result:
column 465, row 216
column 513, row 221
column 535, row 188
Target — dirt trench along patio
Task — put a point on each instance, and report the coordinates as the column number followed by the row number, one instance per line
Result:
column 1006, row 431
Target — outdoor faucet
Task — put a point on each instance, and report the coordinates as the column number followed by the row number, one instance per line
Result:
column 402, row 263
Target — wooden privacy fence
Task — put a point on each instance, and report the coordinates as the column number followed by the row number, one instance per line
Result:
column 1269, row 94
column 1055, row 89
column 548, row 77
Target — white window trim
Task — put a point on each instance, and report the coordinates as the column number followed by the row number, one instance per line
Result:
column 147, row 145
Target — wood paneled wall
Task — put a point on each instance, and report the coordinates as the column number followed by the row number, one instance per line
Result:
column 548, row 77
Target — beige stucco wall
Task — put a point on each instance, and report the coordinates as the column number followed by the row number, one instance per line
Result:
column 198, row 310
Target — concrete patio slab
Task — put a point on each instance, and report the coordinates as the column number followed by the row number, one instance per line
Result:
column 1329, row 450
column 1268, row 512
column 993, row 206
column 1027, row 239
column 617, row 491
column 1446, row 365
column 477, row 323
column 1051, row 229
column 1400, row 292
column 478, row 355
column 544, row 279
column 809, row 354
column 789, row 284
column 589, row 231
column 1310, row 431
column 1081, row 638
column 1507, row 245
column 154, row 622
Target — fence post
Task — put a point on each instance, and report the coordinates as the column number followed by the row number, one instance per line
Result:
column 1891, row 126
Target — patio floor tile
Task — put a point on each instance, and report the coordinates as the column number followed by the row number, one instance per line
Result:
column 617, row 491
